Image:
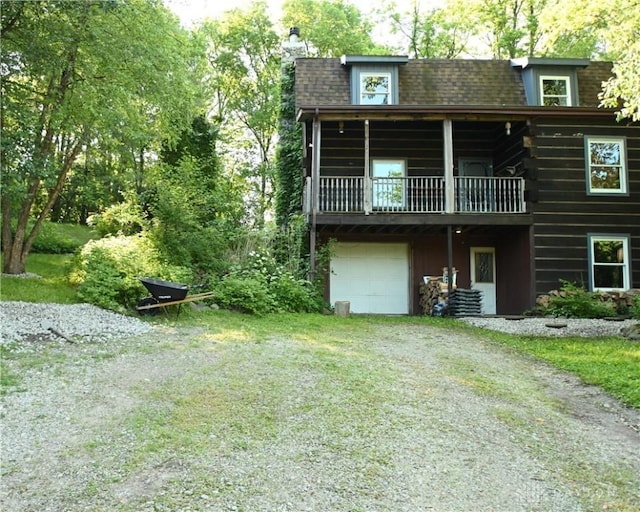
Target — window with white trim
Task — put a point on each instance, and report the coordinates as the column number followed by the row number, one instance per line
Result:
column 555, row 91
column 609, row 259
column 375, row 89
column 606, row 165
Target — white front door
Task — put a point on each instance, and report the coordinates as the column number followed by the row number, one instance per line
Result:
column 483, row 277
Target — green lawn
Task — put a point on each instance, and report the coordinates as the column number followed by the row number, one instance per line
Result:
column 613, row 363
column 52, row 286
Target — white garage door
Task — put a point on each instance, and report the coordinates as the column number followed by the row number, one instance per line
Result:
column 374, row 278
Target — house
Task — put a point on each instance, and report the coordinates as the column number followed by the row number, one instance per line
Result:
column 506, row 170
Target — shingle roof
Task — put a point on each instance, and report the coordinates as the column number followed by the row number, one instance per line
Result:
column 437, row 82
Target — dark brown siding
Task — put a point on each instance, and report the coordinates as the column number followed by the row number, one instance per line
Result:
column 421, row 143
column 564, row 214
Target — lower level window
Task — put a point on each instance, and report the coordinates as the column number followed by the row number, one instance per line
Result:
column 609, row 262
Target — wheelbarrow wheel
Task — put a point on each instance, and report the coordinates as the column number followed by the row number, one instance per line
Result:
column 148, row 301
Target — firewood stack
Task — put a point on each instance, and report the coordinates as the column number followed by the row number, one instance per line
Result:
column 430, row 295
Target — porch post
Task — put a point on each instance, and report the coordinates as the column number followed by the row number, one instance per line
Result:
column 449, row 261
column 449, row 183
column 315, row 194
column 368, row 188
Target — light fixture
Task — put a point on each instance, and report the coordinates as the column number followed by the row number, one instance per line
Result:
column 341, row 127
column 507, row 126
column 458, row 230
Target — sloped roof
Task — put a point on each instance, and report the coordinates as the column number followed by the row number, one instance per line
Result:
column 438, row 82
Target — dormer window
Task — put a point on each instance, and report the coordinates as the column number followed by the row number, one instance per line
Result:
column 555, row 91
column 374, row 78
column 375, row 89
column 550, row 82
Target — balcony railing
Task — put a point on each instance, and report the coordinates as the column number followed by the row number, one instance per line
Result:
column 419, row 194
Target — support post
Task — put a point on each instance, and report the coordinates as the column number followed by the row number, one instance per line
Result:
column 315, row 195
column 449, row 182
column 368, row 188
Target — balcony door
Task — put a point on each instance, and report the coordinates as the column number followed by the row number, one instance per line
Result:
column 483, row 277
column 389, row 191
column 475, row 193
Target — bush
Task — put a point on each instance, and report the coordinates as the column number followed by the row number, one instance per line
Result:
column 124, row 218
column 260, row 285
column 245, row 294
column 635, row 309
column 295, row 295
column 575, row 302
column 53, row 240
column 107, row 271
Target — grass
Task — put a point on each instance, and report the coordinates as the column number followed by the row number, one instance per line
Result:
column 612, row 363
column 52, row 286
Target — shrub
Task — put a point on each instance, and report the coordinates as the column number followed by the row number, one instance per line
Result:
column 575, row 302
column 124, row 218
column 245, row 294
column 635, row 308
column 53, row 240
column 295, row 295
column 258, row 284
column 107, row 271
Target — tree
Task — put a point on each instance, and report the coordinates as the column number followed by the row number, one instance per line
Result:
column 76, row 74
column 438, row 33
column 613, row 29
column 511, row 28
column 331, row 27
column 243, row 51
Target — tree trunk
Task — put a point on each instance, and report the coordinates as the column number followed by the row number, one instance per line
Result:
column 17, row 247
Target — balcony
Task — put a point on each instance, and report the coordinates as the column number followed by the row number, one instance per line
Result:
column 418, row 194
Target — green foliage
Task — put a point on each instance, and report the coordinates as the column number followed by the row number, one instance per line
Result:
column 289, row 179
column 611, row 363
column 79, row 75
column 58, row 238
column 332, row 27
column 259, row 284
column 243, row 50
column 51, row 240
column 635, row 308
column 247, row 294
column 125, row 218
column 107, row 271
column 575, row 302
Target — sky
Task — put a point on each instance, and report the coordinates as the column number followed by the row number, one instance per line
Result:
column 191, row 12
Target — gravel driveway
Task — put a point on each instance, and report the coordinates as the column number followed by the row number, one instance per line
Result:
column 404, row 418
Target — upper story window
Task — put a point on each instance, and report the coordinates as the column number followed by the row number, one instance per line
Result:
column 375, row 89
column 606, row 165
column 374, row 78
column 550, row 82
column 555, row 91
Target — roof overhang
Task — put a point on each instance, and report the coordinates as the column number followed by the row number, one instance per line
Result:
column 420, row 112
column 349, row 60
column 525, row 62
